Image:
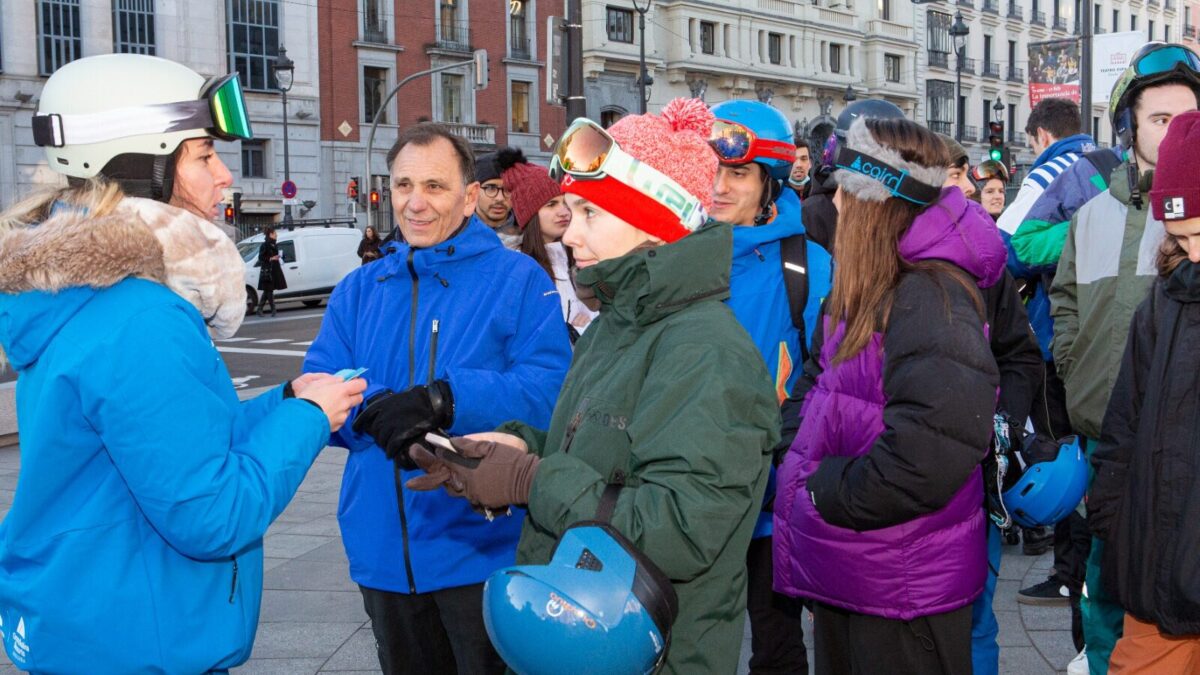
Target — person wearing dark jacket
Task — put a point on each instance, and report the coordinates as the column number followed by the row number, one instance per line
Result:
column 270, row 271
column 878, row 517
column 1143, row 500
column 368, row 248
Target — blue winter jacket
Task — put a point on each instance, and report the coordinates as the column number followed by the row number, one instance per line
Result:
column 759, row 300
column 134, row 542
column 488, row 321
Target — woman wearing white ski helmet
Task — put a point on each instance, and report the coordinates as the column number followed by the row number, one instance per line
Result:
column 146, row 486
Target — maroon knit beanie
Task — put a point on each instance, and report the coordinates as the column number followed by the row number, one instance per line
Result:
column 529, row 186
column 1176, row 191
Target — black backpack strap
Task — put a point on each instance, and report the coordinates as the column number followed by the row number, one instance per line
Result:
column 1104, row 161
column 794, row 253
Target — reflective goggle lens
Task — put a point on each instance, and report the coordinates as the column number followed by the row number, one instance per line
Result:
column 582, row 151
column 986, row 171
column 1165, row 59
column 732, row 142
column 230, row 121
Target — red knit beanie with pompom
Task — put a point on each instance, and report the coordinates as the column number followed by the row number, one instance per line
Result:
column 675, row 142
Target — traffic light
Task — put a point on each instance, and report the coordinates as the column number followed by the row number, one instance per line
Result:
column 228, row 215
column 375, row 199
column 352, row 189
column 237, row 207
column 996, row 140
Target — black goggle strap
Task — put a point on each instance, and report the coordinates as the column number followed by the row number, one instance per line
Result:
column 55, row 130
column 897, row 181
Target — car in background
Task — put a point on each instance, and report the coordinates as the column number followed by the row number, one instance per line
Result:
column 314, row 259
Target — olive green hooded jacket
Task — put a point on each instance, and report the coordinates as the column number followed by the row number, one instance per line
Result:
column 1105, row 272
column 667, row 394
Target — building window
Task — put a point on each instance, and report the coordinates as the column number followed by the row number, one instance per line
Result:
column 610, row 117
column 835, row 58
column 374, row 88
column 1012, row 55
column 885, row 10
column 133, row 26
column 254, row 41
column 518, row 30
column 254, row 159
column 1166, row 32
column 1150, row 29
column 891, row 67
column 374, row 26
column 620, row 25
column 940, row 43
column 1116, row 24
column 452, row 99
column 708, row 37
column 1011, row 127
column 519, row 100
column 1095, row 127
column 1133, row 22
column 940, row 104
column 453, row 29
column 59, row 36
column 775, row 48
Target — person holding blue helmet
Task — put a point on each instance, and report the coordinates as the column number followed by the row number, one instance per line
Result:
column 778, row 281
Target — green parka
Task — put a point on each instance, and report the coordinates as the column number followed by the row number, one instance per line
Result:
column 1106, row 269
column 668, row 394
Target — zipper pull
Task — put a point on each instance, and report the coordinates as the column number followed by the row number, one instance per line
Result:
column 761, row 257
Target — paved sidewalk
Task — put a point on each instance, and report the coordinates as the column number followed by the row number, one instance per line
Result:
column 313, row 620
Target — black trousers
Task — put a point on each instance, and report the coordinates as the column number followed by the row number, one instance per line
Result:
column 267, row 295
column 776, row 620
column 425, row 633
column 848, row 643
column 1072, row 544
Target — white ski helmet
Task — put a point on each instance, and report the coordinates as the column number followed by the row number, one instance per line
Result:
column 124, row 115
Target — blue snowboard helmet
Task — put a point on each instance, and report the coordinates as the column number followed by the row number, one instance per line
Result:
column 599, row 606
column 875, row 108
column 1049, row 490
column 771, row 141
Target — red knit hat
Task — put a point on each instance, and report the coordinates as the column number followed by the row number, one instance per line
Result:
column 675, row 143
column 529, row 185
column 1176, row 191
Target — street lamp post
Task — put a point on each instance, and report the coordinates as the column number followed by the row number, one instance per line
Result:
column 285, row 69
column 959, row 32
column 999, row 108
column 641, row 7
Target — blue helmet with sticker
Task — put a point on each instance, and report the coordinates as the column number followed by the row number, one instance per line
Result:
column 599, row 606
column 1053, row 483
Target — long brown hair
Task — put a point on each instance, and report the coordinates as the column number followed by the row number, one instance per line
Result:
column 1170, row 254
column 868, row 239
column 533, row 244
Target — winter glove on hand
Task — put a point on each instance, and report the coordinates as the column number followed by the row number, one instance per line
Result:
column 395, row 420
column 490, row 475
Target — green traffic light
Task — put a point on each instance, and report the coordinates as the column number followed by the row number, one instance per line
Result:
column 996, row 154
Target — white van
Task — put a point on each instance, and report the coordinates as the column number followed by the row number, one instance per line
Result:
column 314, row 258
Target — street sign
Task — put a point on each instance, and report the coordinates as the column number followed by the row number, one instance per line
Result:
column 288, row 189
column 556, row 78
column 291, row 201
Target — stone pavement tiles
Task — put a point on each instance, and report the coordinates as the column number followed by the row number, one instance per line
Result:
column 313, row 620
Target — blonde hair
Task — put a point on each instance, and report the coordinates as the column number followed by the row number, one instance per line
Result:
column 98, row 196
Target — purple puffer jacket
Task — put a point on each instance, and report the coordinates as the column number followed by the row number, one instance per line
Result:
column 906, row 495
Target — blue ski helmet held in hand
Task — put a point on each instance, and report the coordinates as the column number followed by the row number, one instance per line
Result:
column 599, row 606
column 769, row 143
column 1055, row 478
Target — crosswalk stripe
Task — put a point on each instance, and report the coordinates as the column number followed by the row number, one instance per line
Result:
column 236, row 339
column 271, row 341
column 266, row 352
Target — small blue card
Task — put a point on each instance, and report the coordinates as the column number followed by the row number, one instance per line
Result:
column 349, row 373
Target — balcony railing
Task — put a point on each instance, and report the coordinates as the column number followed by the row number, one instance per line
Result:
column 970, row 133
column 941, row 127
column 991, row 69
column 375, row 30
column 1039, row 18
column 968, row 66
column 1099, row 30
column 518, row 48
column 992, row 6
column 453, row 35
column 1014, row 11
column 476, row 134
column 965, row 3
column 1016, row 74
column 1017, row 138
column 1189, row 32
column 939, row 59
column 1060, row 23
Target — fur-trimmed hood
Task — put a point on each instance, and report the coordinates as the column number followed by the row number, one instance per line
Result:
column 46, row 269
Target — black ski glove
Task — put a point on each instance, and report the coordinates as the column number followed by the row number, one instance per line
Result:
column 397, row 420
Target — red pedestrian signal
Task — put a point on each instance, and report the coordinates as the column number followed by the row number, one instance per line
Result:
column 228, row 215
column 375, row 198
column 352, row 189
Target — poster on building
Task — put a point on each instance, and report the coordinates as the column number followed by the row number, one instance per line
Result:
column 1053, row 70
column 1111, row 53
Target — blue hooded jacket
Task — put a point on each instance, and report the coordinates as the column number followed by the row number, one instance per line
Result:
column 134, row 541
column 488, row 321
column 759, row 300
